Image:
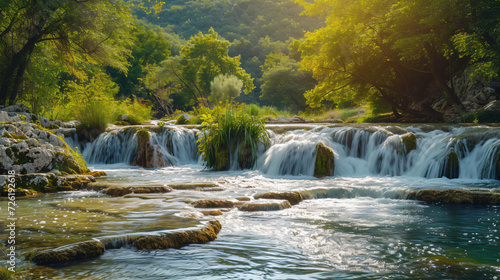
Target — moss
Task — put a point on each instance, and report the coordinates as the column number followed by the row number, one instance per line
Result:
column 14, row 136
column 451, row 166
column 456, row 197
column 182, row 120
column 325, row 161
column 193, row 186
column 78, row 251
column 179, row 239
column 6, row 135
column 81, row 167
column 409, row 142
column 22, row 117
column 143, row 157
column 8, row 151
column 53, row 126
column 293, row 197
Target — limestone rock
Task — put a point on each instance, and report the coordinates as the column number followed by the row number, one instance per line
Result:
column 409, row 142
column 118, row 191
column 451, row 166
column 456, row 197
column 325, row 161
column 179, row 239
column 265, row 205
column 294, row 197
column 73, row 252
column 213, row 203
column 212, row 212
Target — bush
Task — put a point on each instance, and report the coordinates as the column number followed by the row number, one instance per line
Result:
column 94, row 117
column 228, row 132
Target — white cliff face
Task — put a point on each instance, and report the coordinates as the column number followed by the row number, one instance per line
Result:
column 26, row 148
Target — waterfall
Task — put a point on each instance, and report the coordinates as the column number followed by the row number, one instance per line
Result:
column 173, row 144
column 359, row 150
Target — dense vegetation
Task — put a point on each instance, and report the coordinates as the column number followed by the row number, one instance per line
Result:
column 76, row 59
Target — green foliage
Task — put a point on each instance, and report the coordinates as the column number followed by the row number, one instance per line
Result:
column 225, row 88
column 225, row 134
column 94, row 120
column 481, row 117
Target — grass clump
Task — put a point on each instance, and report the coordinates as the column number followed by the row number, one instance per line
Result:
column 94, row 120
column 233, row 132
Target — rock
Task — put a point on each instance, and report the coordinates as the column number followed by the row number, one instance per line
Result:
column 294, row 197
column 487, row 91
column 151, row 189
column 183, row 119
column 212, row 213
column 244, row 198
column 281, row 119
column 97, row 174
column 265, row 205
column 118, row 191
column 456, row 197
column 409, row 142
column 451, row 166
column 143, row 148
column 213, row 203
column 196, row 186
column 18, row 108
column 493, row 107
column 325, row 161
column 73, row 252
column 47, row 182
column 179, row 239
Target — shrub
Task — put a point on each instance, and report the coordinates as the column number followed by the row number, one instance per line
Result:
column 94, row 117
column 233, row 130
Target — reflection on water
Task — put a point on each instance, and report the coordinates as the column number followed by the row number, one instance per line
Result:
column 356, row 228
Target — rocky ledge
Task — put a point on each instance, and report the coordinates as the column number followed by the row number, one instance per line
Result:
column 456, row 197
column 95, row 248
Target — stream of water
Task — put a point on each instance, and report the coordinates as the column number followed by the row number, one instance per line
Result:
column 354, row 225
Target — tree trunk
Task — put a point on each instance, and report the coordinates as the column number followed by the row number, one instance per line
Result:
column 439, row 72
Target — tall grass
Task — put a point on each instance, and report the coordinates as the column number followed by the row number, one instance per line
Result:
column 94, row 117
column 234, row 132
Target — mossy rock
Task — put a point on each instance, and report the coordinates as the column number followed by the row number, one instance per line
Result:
column 73, row 252
column 212, row 212
column 143, row 148
column 293, row 197
column 213, row 203
column 97, row 174
column 409, row 142
column 182, row 120
column 179, row 239
column 118, row 191
column 151, row 189
column 325, row 161
column 194, row 187
column 456, row 197
column 451, row 166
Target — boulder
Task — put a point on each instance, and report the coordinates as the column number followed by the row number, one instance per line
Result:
column 143, row 148
column 409, row 142
column 73, row 252
column 451, row 166
column 325, row 161
column 294, row 197
column 18, row 108
column 213, row 203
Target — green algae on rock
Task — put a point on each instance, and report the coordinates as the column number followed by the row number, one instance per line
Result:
column 325, row 161
column 456, row 197
column 72, row 252
column 213, row 203
column 265, row 205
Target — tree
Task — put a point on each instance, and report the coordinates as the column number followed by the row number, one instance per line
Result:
column 225, row 88
column 92, row 30
column 399, row 51
column 205, row 58
column 284, row 83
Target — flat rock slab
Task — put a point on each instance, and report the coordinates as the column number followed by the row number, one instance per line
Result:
column 264, row 205
column 213, row 203
column 294, row 197
column 456, row 197
column 197, row 187
column 95, row 248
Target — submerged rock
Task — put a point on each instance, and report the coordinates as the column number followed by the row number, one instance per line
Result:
column 213, row 203
column 98, row 174
column 119, row 190
column 179, row 239
column 265, row 205
column 325, row 161
column 294, row 197
column 28, row 184
column 456, row 197
column 196, row 186
column 72, row 252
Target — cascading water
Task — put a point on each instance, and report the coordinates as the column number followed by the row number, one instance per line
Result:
column 457, row 152
column 174, row 145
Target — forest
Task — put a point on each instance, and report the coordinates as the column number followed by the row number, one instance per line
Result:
column 69, row 59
